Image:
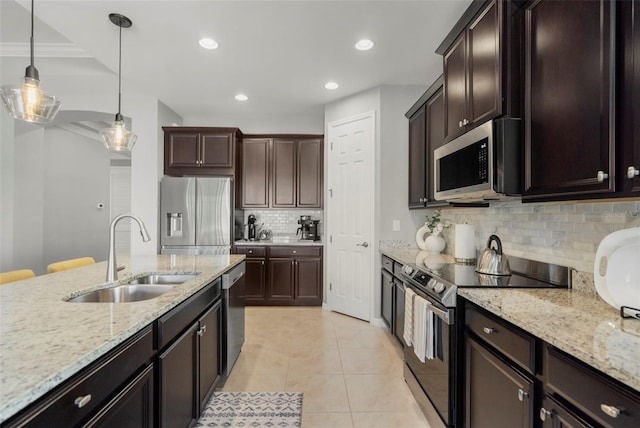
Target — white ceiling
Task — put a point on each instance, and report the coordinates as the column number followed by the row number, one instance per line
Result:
column 279, row 53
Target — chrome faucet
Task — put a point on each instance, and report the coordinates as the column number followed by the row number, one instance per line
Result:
column 112, row 270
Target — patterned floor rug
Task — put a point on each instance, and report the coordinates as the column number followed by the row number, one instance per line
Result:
column 253, row 410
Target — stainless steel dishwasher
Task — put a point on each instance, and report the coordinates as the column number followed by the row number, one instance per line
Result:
column 233, row 292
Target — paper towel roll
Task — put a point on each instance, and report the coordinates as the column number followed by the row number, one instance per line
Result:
column 465, row 246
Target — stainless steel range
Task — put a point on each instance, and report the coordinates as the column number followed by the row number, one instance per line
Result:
column 433, row 381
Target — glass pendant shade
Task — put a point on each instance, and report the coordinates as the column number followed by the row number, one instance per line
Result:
column 29, row 103
column 117, row 137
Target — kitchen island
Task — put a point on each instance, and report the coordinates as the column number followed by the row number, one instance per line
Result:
column 45, row 340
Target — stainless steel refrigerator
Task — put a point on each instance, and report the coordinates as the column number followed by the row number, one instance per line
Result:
column 197, row 215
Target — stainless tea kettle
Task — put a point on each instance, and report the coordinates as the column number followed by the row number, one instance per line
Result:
column 493, row 262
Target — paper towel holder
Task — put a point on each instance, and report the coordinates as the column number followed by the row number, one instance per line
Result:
column 462, row 257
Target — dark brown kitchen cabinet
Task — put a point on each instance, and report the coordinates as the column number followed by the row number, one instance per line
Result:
column 629, row 97
column 200, row 150
column 481, row 66
column 308, row 281
column 569, row 95
column 386, row 299
column 309, row 173
column 284, row 173
column 209, row 352
column 554, row 414
column 255, row 172
column 426, row 133
column 496, row 395
column 281, row 280
column 255, row 274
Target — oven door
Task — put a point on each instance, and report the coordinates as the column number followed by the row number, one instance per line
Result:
column 435, row 376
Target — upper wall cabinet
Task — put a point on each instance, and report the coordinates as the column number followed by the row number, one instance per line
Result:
column 482, row 66
column 200, row 151
column 570, row 135
column 629, row 97
column 282, row 171
column 426, row 133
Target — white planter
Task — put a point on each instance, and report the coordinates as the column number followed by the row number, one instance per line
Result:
column 434, row 244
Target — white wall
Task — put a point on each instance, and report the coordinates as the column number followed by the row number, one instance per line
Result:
column 304, row 123
column 6, row 191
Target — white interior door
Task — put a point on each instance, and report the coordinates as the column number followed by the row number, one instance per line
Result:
column 350, row 214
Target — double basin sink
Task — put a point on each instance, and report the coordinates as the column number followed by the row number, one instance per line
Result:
column 141, row 288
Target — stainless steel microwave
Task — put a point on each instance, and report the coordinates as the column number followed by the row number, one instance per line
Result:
column 481, row 165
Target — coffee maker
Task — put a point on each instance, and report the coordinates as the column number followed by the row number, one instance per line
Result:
column 308, row 229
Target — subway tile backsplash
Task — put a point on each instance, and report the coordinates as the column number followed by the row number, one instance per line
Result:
column 562, row 233
column 284, row 222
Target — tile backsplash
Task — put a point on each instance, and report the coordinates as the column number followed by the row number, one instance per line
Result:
column 284, row 222
column 562, row 233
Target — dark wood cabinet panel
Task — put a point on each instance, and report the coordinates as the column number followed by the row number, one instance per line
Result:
column 569, row 136
column 398, row 310
column 417, row 158
column 386, row 298
column 455, row 88
column 132, row 407
column 281, row 280
column 493, row 390
column 255, row 280
column 283, row 171
column 553, row 414
column 308, row 281
column 309, row 174
column 218, row 150
column 182, row 150
column 255, row 173
column 629, row 96
column 178, row 379
column 210, row 352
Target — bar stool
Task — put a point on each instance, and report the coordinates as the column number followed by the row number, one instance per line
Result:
column 16, row 275
column 70, row 264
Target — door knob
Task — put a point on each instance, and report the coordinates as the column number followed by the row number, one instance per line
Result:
column 364, row 244
column 632, row 172
column 602, row 176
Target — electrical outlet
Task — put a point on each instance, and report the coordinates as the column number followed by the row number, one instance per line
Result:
column 396, row 225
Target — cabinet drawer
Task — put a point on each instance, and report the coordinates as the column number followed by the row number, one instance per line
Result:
column 179, row 318
column 260, row 251
column 513, row 343
column 591, row 392
column 95, row 385
column 295, row 251
column 387, row 263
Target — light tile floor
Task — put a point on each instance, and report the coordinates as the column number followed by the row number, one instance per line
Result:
column 349, row 371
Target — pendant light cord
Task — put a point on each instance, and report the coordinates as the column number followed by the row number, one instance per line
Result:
column 119, row 74
column 32, row 33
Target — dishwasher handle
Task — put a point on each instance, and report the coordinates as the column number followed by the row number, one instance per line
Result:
column 232, row 276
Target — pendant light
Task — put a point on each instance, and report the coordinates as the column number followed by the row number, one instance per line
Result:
column 117, row 137
column 27, row 102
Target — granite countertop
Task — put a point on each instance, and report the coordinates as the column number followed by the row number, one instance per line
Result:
column 45, row 340
column 576, row 322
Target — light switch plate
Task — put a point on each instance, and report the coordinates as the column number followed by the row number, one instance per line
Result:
column 396, row 225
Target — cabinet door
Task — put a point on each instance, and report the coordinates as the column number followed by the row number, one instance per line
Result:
column 387, row 298
column 418, row 159
column 283, row 185
column 435, row 139
column 132, row 407
column 255, row 279
column 309, row 174
column 555, row 415
column 182, row 149
column 178, row 371
column 484, row 94
column 308, row 281
column 569, row 87
column 210, row 352
column 496, row 395
column 217, row 150
column 398, row 313
column 629, row 139
column 255, row 173
column 281, row 280
column 455, row 88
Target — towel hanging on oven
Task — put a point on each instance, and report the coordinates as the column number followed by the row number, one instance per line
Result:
column 408, row 316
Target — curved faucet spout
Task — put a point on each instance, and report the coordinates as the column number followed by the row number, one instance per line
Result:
column 112, row 270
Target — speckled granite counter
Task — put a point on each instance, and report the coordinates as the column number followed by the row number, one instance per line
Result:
column 579, row 323
column 44, row 340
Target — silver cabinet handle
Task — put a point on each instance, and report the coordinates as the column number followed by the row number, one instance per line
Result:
column 364, row 244
column 522, row 394
column 250, row 251
column 632, row 172
column 294, row 252
column 602, row 176
column 460, row 124
column 612, row 411
column 544, row 414
column 421, row 200
column 292, row 262
column 465, row 122
column 202, row 330
column 80, row 402
column 262, row 262
column 489, row 330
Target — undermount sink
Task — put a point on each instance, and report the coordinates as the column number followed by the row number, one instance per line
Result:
column 163, row 278
column 122, row 294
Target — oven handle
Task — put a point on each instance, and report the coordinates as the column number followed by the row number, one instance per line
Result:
column 442, row 314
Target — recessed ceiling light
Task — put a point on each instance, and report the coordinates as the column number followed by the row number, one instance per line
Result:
column 208, row 43
column 364, row 45
column 242, row 97
column 331, row 85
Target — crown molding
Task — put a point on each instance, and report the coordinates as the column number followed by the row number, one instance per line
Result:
column 42, row 50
